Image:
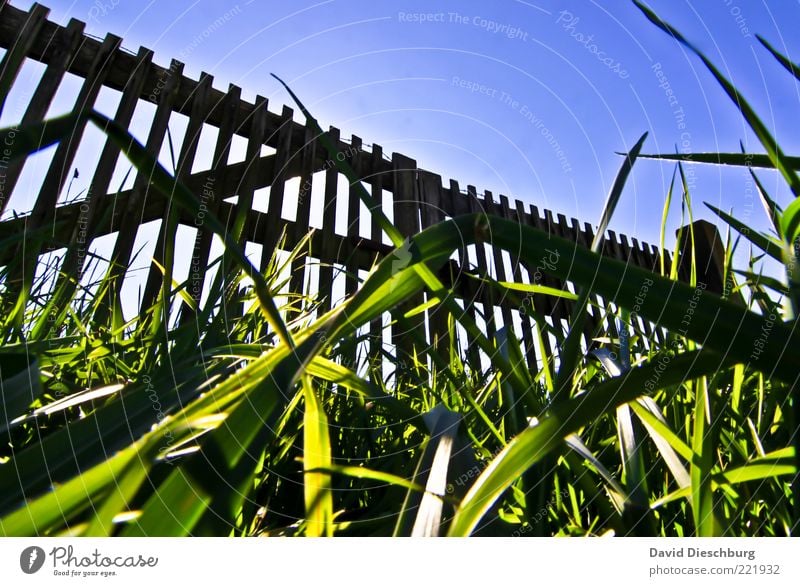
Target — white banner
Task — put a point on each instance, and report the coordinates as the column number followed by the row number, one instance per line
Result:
column 352, row 562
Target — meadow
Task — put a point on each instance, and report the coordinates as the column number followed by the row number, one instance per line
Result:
column 261, row 425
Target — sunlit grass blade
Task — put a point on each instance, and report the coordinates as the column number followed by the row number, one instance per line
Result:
column 765, row 243
column 316, row 454
column 663, row 230
column 424, row 273
column 569, row 354
column 534, row 443
column 183, row 197
column 776, row 156
column 705, row 521
column 667, row 442
column 773, row 210
column 49, row 511
column 444, row 427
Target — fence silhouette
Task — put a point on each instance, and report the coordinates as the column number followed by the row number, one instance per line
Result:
column 416, row 197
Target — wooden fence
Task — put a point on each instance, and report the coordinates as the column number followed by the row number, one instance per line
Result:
column 417, row 198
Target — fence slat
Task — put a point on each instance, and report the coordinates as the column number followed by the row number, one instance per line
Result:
column 376, row 181
column 637, row 259
column 499, row 269
column 86, row 227
column 65, row 44
column 526, row 311
column 302, row 219
column 15, row 56
column 44, row 210
column 406, row 218
column 247, row 185
column 123, row 248
column 328, row 250
column 513, row 214
column 431, row 196
column 463, row 285
column 212, row 194
column 283, row 155
column 61, row 163
column 188, row 150
column 353, row 216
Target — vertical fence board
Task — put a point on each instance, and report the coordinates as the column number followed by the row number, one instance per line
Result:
column 431, row 196
column 350, row 351
column 406, row 218
column 307, row 156
column 376, row 189
column 16, row 54
column 376, row 325
column 184, row 163
column 462, row 284
column 496, row 297
column 61, row 163
column 283, row 154
column 65, row 44
column 44, row 210
column 128, row 228
column 636, row 259
column 84, row 229
column 213, row 192
column 483, row 267
column 527, row 308
column 513, row 214
column 328, row 249
column 258, row 130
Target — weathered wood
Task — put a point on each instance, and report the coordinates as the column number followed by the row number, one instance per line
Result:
column 498, row 299
column 82, row 229
column 19, row 49
column 348, row 349
column 419, row 199
column 168, row 228
column 542, row 303
column 270, row 236
column 211, row 195
column 61, row 163
column 514, row 214
column 329, row 251
column 406, row 219
column 123, row 248
column 353, row 214
column 432, row 212
column 64, row 42
column 248, row 182
column 376, row 190
column 637, row 258
column 302, row 219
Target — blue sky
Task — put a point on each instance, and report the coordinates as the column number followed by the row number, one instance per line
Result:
column 529, row 99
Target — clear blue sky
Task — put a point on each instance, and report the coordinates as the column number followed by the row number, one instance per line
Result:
column 530, row 99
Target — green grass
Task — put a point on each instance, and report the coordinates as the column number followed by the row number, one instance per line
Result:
column 261, row 424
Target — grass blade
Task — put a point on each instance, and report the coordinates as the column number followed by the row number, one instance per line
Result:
column 316, row 454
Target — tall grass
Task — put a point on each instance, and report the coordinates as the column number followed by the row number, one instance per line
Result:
column 261, row 425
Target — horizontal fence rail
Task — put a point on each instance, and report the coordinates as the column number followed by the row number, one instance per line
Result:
column 417, row 198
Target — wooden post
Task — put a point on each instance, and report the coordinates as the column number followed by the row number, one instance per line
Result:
column 406, row 218
column 709, row 255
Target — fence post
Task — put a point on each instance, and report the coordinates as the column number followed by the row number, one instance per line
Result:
column 709, row 254
column 407, row 220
